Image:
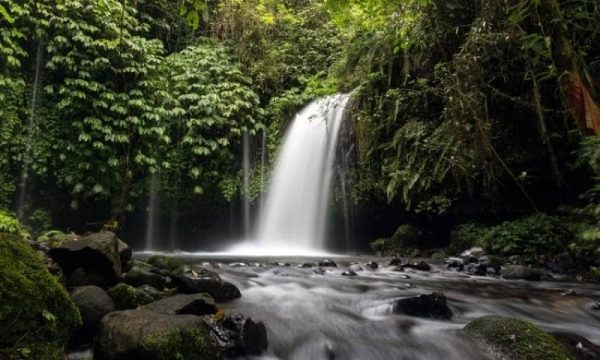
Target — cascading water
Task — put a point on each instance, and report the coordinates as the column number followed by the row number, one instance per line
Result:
column 295, row 208
column 246, row 184
column 150, row 243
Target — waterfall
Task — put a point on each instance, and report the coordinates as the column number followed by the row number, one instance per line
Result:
column 39, row 62
column 246, row 184
column 151, row 217
column 295, row 209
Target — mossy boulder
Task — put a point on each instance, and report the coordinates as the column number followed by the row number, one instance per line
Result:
column 166, row 265
column 142, row 334
column 515, row 339
column 37, row 316
column 55, row 238
column 127, row 297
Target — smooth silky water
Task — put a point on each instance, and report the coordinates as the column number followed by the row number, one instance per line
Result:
column 311, row 316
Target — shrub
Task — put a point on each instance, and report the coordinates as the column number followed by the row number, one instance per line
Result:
column 465, row 236
column 10, row 225
column 533, row 237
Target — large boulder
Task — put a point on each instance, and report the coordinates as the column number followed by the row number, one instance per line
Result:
column 37, row 316
column 99, row 252
column 238, row 335
column 195, row 279
column 520, row 272
column 514, row 339
column 138, row 276
column 143, row 334
column 127, row 297
column 580, row 347
column 166, row 265
column 428, row 305
column 194, row 304
column 93, row 303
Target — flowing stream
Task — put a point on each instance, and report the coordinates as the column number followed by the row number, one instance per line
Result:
column 329, row 316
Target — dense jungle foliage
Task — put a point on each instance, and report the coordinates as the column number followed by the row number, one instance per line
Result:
column 463, row 111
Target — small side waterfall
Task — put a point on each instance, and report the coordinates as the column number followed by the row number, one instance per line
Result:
column 150, row 243
column 295, row 211
column 246, row 184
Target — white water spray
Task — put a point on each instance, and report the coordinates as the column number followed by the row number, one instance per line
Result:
column 295, row 210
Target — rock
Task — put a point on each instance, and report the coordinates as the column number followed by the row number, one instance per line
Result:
column 372, row 265
column 428, row 305
column 569, row 292
column 54, row 238
column 455, row 263
column 93, row 303
column 515, row 260
column 143, row 334
column 305, row 265
column 515, row 339
column 196, row 279
column 491, row 271
column 127, row 297
column 98, row 252
column 327, row 263
column 356, row 267
column 238, row 335
column 477, row 269
column 491, row 261
column 349, row 273
column 520, row 272
column 319, row 271
column 595, row 306
column 280, row 264
column 395, row 262
column 151, row 292
column 37, row 316
column 194, row 304
column 83, row 277
column 138, row 276
column 581, row 347
column 419, row 265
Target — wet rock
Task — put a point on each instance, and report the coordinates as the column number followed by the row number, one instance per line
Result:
column 98, row 252
column 419, row 265
column 349, row 273
column 372, row 265
column 455, row 263
column 125, row 252
column 151, row 292
column 491, row 261
column 395, row 262
column 238, row 335
column 474, row 252
column 319, row 271
column 491, row 271
column 514, row 339
column 432, row 305
column 520, row 272
column 193, row 304
column 595, row 306
column 127, row 297
column 93, row 303
column 238, row 264
column 305, row 265
column 569, row 292
column 281, row 264
column 196, row 279
column 327, row 263
column 581, row 347
column 139, row 276
column 163, row 265
column 83, row 277
column 477, row 269
column 356, row 267
column 143, row 334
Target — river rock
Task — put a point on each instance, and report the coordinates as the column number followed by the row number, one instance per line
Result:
column 327, row 263
column 428, row 305
column 139, row 334
column 98, row 252
column 455, row 263
column 419, row 265
column 595, row 306
column 93, row 303
column 319, row 271
column 193, row 304
column 520, row 272
column 151, row 292
column 138, row 276
column 305, row 265
column 395, row 262
column 349, row 273
column 83, row 277
column 477, row 269
column 473, row 253
column 580, row 346
column 196, row 279
column 372, row 265
column 238, row 335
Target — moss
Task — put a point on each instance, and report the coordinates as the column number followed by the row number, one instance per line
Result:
column 10, row 225
column 37, row 316
column 182, row 344
column 165, row 263
column 516, row 339
column 55, row 238
column 127, row 297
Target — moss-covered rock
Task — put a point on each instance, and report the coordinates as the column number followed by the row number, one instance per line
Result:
column 186, row 343
column 167, row 265
column 37, row 316
column 127, row 297
column 55, row 238
column 515, row 339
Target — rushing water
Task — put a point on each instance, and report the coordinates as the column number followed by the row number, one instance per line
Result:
column 313, row 316
column 295, row 209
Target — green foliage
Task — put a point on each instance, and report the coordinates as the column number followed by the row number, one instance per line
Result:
column 516, row 339
column 10, row 225
column 405, row 240
column 465, row 236
column 533, row 237
column 182, row 344
column 37, row 316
